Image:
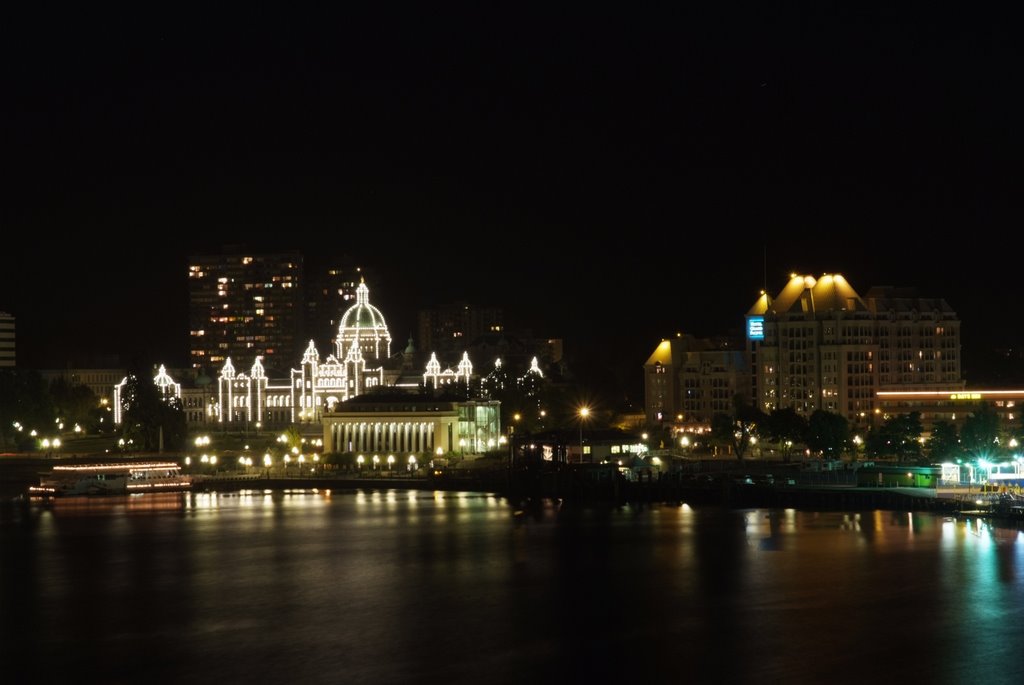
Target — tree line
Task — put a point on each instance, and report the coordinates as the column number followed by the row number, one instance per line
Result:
column 901, row 436
column 29, row 404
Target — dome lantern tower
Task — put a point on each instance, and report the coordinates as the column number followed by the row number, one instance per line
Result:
column 363, row 325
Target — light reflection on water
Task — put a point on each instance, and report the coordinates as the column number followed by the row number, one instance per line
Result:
column 396, row 586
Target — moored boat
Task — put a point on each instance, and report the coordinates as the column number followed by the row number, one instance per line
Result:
column 111, row 479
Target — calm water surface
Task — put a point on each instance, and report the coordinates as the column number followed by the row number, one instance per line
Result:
column 419, row 587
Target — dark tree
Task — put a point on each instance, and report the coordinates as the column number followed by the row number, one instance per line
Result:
column 73, row 402
column 736, row 429
column 899, row 436
column 980, row 432
column 23, row 401
column 148, row 420
column 827, row 433
column 787, row 428
column 944, row 444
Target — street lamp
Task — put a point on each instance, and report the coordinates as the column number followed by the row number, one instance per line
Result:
column 584, row 413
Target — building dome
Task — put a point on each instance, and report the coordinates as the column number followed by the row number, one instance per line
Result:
column 363, row 325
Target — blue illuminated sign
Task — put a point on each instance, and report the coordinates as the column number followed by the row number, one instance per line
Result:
column 755, row 328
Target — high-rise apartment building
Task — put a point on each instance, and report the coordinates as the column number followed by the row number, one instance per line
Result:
column 453, row 327
column 245, row 305
column 819, row 345
column 6, row 340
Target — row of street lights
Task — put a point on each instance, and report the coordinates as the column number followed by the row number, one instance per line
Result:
column 411, row 463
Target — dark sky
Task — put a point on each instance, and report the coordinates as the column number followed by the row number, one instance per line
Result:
column 609, row 175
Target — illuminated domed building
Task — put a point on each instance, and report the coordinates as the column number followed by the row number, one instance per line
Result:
column 361, row 362
column 363, row 325
column 411, row 418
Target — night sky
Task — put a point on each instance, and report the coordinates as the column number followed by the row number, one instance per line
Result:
column 608, row 175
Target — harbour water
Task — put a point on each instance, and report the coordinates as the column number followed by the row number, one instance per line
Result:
column 421, row 587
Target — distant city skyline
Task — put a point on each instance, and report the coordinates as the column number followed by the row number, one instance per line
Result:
column 54, row 331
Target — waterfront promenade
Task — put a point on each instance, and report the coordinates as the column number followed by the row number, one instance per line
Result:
column 721, row 484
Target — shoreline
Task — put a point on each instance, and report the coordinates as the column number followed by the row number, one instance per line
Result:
column 571, row 488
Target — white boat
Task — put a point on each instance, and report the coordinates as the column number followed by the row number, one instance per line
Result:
column 112, row 479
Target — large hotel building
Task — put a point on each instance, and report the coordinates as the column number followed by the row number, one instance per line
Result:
column 817, row 344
